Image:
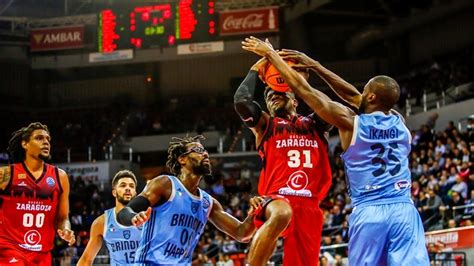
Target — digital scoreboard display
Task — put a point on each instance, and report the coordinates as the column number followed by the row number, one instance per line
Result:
column 157, row 25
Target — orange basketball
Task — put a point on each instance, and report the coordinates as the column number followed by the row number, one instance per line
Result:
column 274, row 80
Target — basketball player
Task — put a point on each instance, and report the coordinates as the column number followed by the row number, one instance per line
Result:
column 34, row 200
column 295, row 177
column 385, row 227
column 177, row 209
column 122, row 241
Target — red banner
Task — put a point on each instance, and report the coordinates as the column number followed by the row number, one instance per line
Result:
column 247, row 21
column 456, row 238
column 57, row 38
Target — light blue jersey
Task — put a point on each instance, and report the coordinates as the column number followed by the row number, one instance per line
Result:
column 174, row 228
column 122, row 241
column 376, row 162
column 384, row 227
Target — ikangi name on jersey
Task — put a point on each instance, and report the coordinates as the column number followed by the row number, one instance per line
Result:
column 33, row 206
column 390, row 133
column 291, row 142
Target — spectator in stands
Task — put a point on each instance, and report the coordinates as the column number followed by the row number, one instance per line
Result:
column 447, row 209
column 460, row 186
column 440, row 147
column 432, row 204
column 337, row 216
column 224, row 260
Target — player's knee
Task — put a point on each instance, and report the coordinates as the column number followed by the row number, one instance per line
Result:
column 279, row 212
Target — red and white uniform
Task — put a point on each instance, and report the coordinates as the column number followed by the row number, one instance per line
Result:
column 28, row 212
column 296, row 166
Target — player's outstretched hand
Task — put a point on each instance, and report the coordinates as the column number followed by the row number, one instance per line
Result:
column 67, row 235
column 301, row 59
column 141, row 217
column 255, row 204
column 257, row 46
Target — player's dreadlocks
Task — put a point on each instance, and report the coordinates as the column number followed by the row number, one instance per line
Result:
column 177, row 148
column 16, row 151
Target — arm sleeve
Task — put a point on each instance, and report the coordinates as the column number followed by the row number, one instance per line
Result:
column 135, row 206
column 248, row 109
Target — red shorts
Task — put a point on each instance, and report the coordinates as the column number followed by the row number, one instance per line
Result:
column 19, row 257
column 302, row 244
column 302, row 237
column 259, row 219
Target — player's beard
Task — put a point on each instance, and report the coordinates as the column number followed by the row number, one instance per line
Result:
column 122, row 199
column 202, row 169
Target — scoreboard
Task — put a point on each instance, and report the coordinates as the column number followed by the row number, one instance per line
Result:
column 157, row 25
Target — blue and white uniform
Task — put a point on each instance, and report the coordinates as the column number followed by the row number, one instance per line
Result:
column 174, row 228
column 121, row 241
column 384, row 227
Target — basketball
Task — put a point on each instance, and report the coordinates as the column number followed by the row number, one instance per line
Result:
column 274, row 80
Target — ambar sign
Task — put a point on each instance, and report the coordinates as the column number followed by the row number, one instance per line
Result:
column 247, row 21
column 57, row 38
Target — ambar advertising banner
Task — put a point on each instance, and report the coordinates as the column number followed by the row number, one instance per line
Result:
column 60, row 38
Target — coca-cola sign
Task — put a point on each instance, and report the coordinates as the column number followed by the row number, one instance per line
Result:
column 247, row 21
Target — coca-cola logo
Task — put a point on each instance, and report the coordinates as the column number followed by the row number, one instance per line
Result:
column 251, row 21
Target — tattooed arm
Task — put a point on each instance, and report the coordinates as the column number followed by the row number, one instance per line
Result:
column 5, row 176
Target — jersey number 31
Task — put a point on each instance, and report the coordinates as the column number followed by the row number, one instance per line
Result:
column 294, row 158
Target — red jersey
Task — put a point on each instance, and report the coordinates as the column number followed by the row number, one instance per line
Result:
column 28, row 208
column 295, row 158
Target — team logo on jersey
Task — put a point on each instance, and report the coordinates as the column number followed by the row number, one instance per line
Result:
column 112, row 228
column 32, row 239
column 403, row 184
column 50, row 181
column 296, row 185
column 21, row 176
column 194, row 207
column 205, row 203
column 126, row 234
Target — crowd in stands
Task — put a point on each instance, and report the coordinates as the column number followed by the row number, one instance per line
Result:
column 71, row 128
column 209, row 113
column 438, row 75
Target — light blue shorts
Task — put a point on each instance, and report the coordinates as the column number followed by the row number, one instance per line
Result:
column 387, row 234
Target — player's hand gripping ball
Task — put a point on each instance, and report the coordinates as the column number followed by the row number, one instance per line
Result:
column 274, row 80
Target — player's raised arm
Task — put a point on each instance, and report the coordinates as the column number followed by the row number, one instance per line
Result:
column 244, row 100
column 330, row 111
column 342, row 88
column 138, row 210
column 240, row 231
